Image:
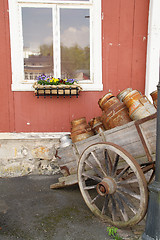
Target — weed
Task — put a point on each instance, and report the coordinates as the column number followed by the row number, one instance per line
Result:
column 112, row 232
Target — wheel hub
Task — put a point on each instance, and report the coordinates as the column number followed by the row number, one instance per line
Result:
column 106, row 186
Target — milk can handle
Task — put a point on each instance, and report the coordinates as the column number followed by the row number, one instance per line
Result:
column 147, row 99
column 141, row 100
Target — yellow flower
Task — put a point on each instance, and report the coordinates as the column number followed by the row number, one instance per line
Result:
column 56, row 79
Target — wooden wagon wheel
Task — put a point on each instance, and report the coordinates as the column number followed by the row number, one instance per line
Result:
column 112, row 184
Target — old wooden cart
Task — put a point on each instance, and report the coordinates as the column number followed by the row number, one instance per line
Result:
column 113, row 169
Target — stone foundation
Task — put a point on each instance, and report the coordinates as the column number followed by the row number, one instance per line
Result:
column 28, row 153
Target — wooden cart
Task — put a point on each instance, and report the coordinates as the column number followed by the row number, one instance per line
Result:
column 113, row 169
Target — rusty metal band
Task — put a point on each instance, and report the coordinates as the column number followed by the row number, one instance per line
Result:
column 66, row 169
column 115, row 107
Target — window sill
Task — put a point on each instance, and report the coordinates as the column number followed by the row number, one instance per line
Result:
column 29, row 87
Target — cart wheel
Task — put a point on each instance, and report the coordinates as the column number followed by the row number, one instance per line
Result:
column 112, row 184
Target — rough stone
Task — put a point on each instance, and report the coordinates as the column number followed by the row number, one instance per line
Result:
column 28, row 153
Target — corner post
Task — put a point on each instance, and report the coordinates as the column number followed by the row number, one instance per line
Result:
column 152, row 228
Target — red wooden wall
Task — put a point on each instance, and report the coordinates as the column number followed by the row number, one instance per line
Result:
column 124, row 42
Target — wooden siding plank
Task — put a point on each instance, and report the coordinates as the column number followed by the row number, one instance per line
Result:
column 125, row 48
column 111, row 15
column 6, row 99
column 40, row 113
column 140, row 44
column 85, row 106
column 9, row 70
column 3, row 83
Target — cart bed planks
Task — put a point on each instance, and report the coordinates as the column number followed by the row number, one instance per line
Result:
column 137, row 137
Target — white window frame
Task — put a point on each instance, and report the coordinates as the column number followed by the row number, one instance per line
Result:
column 18, row 82
column 153, row 48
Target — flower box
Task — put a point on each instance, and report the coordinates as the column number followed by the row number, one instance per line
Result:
column 65, row 90
column 48, row 85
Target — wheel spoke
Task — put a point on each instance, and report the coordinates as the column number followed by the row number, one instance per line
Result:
column 115, row 165
column 108, row 162
column 91, row 165
column 98, row 162
column 90, row 187
column 129, row 192
column 98, row 179
column 105, row 205
column 123, row 172
column 122, row 208
column 94, row 199
column 113, row 208
column 126, row 200
column 129, row 181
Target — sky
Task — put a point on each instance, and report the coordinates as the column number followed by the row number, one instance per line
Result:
column 37, row 27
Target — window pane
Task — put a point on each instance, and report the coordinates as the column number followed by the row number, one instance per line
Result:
column 37, row 42
column 75, row 43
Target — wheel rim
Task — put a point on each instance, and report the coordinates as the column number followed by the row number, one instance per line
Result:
column 112, row 184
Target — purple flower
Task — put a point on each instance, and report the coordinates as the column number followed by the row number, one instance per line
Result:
column 70, row 80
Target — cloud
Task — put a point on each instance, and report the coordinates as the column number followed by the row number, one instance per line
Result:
column 48, row 40
column 72, row 36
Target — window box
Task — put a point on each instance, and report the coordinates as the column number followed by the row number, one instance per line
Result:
column 58, row 90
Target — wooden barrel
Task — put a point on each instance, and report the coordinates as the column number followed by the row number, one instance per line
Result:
column 141, row 109
column 81, row 136
column 80, row 130
column 103, row 101
column 105, row 105
column 96, row 125
column 154, row 98
column 79, row 121
column 123, row 93
column 116, row 115
column 131, row 97
column 80, row 127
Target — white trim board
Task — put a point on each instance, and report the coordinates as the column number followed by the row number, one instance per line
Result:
column 32, row 135
column 153, row 48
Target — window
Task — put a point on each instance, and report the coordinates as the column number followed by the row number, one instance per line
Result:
column 56, row 38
